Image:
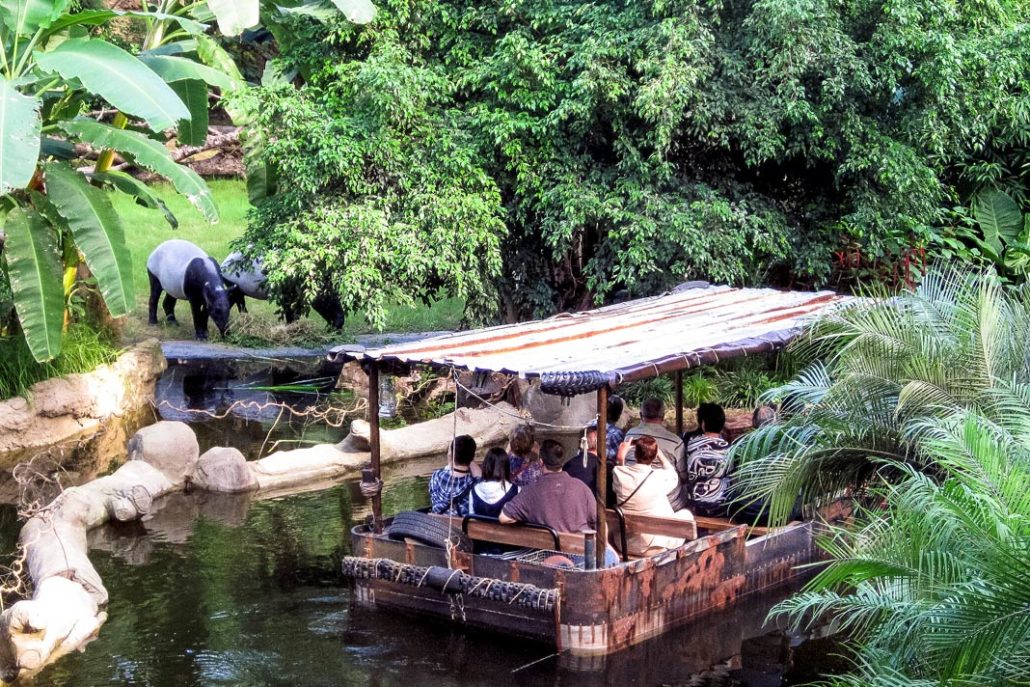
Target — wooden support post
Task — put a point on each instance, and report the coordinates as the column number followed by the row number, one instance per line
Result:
column 679, row 402
column 373, row 441
column 602, row 473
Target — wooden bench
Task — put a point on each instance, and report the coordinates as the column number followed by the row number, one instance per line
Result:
column 516, row 535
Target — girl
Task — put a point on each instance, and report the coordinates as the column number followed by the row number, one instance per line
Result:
column 495, row 487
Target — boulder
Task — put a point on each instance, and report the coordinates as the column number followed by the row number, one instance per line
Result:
column 171, row 447
column 224, row 469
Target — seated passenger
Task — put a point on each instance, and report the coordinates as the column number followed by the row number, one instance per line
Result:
column 615, row 435
column 642, row 488
column 556, row 500
column 449, row 486
column 652, row 424
column 523, row 458
column 495, row 488
column 707, row 478
column 585, row 469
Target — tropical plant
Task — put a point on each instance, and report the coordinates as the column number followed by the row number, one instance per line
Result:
column 884, row 364
column 635, row 145
column 56, row 63
column 934, row 586
column 698, row 389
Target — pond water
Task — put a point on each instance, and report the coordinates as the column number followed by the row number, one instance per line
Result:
column 218, row 590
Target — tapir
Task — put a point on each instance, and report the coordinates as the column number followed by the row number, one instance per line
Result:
column 246, row 278
column 185, row 272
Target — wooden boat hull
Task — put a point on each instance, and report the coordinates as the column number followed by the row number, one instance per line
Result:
column 597, row 612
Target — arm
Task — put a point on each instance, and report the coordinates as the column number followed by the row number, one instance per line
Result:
column 504, row 519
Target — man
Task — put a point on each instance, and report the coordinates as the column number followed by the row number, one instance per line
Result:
column 557, row 499
column 652, row 417
column 449, row 486
column 615, row 434
column 707, row 469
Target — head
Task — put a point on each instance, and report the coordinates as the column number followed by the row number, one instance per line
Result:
column 463, row 450
column 652, row 410
column 327, row 304
column 235, row 295
column 645, row 449
column 592, row 438
column 552, row 454
column 521, row 440
column 495, row 466
column 711, row 418
column 216, row 297
column 615, row 407
column 763, row 415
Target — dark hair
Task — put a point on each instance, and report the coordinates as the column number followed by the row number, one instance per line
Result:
column 615, row 407
column 495, row 466
column 710, row 417
column 553, row 454
column 521, row 440
column 645, row 449
column 652, row 409
column 464, row 450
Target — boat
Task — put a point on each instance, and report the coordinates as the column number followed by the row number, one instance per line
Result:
column 451, row 568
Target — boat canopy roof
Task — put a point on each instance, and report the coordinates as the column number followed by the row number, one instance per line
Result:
column 573, row 353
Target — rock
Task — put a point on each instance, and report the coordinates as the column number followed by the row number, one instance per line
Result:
column 224, row 469
column 171, row 447
column 551, row 409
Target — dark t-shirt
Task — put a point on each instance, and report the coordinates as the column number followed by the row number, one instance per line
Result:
column 557, row 500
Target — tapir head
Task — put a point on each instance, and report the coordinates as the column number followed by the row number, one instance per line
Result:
column 327, row 304
column 216, row 299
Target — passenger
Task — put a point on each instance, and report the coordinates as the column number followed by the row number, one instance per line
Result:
column 707, row 478
column 642, row 488
column 449, row 486
column 556, row 500
column 585, row 470
column 764, row 415
column 523, row 458
column 615, row 435
column 652, row 417
column 495, row 488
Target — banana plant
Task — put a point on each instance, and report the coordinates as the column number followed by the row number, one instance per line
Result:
column 55, row 64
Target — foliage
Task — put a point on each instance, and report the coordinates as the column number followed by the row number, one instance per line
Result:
column 636, row 393
column 743, row 382
column 82, row 350
column 698, row 389
column 884, row 365
column 935, row 587
column 635, row 145
column 995, row 231
column 56, row 61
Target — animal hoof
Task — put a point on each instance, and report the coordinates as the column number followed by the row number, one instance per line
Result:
column 201, row 337
column 152, row 320
column 172, row 320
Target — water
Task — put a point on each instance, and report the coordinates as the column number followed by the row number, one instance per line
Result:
column 219, row 590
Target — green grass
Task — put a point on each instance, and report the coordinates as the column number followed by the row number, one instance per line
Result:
column 146, row 229
column 82, row 350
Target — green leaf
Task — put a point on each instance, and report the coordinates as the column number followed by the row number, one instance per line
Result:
column 23, row 17
column 999, row 218
column 98, row 233
column 235, row 15
column 172, row 68
column 34, row 270
column 192, row 131
column 19, row 137
column 144, row 195
column 357, row 11
column 147, row 153
column 101, row 17
column 214, row 55
column 119, row 78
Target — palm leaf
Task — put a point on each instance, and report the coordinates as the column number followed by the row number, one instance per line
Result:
column 34, row 270
column 97, row 231
column 149, row 154
column 193, row 93
column 172, row 68
column 19, row 137
column 23, row 17
column 143, row 194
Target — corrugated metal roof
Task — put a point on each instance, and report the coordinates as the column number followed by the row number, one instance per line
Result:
column 626, row 341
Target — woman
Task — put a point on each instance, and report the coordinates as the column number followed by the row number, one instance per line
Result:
column 643, row 488
column 495, row 488
column 523, row 459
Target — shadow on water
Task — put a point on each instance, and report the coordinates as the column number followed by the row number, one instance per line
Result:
column 214, row 590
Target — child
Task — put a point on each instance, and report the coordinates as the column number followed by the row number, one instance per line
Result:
column 495, row 488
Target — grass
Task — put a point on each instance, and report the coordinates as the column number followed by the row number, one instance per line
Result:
column 82, row 350
column 146, row 229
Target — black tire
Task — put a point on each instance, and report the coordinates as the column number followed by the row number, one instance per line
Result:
column 426, row 529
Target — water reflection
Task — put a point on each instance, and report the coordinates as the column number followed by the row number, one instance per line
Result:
column 216, row 590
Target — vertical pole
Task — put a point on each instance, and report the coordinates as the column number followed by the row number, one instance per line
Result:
column 373, row 440
column 602, row 473
column 679, row 402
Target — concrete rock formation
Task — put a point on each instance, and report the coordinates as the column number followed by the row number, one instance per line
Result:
column 224, row 469
column 171, row 447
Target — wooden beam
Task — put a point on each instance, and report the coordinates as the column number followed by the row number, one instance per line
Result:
column 679, row 402
column 602, row 473
column 374, row 440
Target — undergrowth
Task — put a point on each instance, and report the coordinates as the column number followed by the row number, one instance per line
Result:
column 735, row 384
column 83, row 350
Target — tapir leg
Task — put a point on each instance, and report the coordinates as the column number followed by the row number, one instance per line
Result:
column 155, row 295
column 199, row 318
column 169, row 306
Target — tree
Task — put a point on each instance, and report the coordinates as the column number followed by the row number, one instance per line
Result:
column 54, row 63
column 634, row 145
